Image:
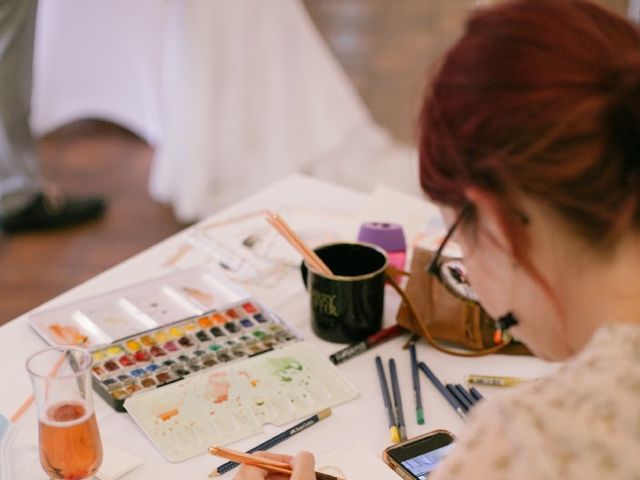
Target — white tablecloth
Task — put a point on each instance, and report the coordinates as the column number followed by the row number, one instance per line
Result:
column 361, row 421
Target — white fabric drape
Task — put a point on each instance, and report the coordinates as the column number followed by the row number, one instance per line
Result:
column 234, row 94
column 98, row 59
column 252, row 93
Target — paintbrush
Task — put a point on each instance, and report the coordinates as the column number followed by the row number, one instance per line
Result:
column 312, row 259
column 262, row 462
column 79, row 341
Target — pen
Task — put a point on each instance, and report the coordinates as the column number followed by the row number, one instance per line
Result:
column 465, row 393
column 462, row 401
column 443, row 391
column 262, row 462
column 351, row 351
column 281, row 437
column 476, row 394
column 397, row 400
column 393, row 429
column 494, row 381
column 416, row 384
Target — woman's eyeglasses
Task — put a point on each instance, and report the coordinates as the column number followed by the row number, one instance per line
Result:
column 452, row 272
column 453, row 275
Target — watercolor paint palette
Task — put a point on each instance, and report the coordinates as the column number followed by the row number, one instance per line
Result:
column 167, row 354
column 159, row 332
column 235, row 401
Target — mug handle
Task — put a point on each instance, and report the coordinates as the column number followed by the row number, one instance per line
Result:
column 304, row 271
column 391, row 274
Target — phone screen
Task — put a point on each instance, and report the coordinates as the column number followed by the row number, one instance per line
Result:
column 422, row 457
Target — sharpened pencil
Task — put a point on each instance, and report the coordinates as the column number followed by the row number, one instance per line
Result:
column 281, row 437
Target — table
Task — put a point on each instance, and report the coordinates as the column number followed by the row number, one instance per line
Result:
column 361, row 421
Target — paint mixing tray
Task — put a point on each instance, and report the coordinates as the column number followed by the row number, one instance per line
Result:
column 156, row 333
column 235, row 401
column 118, row 314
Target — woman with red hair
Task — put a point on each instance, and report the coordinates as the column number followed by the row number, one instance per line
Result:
column 530, row 143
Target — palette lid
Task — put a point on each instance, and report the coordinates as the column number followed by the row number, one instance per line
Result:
column 127, row 311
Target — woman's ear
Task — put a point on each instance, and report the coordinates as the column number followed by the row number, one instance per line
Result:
column 490, row 217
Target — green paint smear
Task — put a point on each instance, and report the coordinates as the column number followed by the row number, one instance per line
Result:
column 285, row 367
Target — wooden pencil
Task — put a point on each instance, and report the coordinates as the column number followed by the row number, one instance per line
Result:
column 312, row 259
column 262, row 462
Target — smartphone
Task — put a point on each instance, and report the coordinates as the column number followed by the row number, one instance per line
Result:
column 416, row 458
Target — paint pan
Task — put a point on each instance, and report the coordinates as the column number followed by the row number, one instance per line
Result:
column 161, row 356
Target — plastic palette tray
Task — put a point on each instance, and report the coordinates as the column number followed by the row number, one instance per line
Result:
column 158, row 332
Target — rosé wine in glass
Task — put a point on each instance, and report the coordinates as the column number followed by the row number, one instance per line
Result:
column 70, row 446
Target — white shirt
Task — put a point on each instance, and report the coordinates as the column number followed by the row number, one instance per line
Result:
column 582, row 423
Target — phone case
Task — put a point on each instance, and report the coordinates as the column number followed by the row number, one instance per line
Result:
column 398, row 468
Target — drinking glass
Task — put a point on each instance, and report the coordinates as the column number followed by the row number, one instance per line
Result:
column 70, row 446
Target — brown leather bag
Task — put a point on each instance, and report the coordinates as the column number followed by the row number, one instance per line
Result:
column 440, row 315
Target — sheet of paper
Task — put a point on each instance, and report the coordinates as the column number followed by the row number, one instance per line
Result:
column 251, row 251
column 356, row 463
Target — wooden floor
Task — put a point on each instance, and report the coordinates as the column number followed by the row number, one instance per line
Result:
column 385, row 46
column 85, row 158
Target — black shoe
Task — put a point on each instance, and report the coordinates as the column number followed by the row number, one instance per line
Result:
column 53, row 210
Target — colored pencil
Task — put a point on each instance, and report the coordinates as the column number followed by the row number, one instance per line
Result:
column 262, row 462
column 442, row 389
column 377, row 338
column 311, row 257
column 462, row 401
column 281, row 437
column 393, row 429
column 416, row 384
column 476, row 394
column 397, row 400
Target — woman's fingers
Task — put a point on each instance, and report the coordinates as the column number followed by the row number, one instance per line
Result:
column 281, row 457
column 303, row 465
column 248, row 472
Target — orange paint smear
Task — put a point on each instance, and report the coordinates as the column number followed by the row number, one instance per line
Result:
column 168, row 414
column 67, row 333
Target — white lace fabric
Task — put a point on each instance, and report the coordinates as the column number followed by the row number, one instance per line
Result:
column 582, row 423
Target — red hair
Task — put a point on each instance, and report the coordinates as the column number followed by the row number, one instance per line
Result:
column 541, row 97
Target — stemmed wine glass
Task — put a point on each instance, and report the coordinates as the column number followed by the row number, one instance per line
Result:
column 70, row 446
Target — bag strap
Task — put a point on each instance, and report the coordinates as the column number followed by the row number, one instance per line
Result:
column 391, row 273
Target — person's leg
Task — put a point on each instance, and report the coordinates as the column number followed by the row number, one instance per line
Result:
column 25, row 203
column 19, row 183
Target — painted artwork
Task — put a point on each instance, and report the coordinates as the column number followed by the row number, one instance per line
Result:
column 235, row 401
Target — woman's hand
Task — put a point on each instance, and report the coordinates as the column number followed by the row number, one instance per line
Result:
column 302, row 465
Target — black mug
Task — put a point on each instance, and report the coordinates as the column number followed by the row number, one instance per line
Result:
column 348, row 306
